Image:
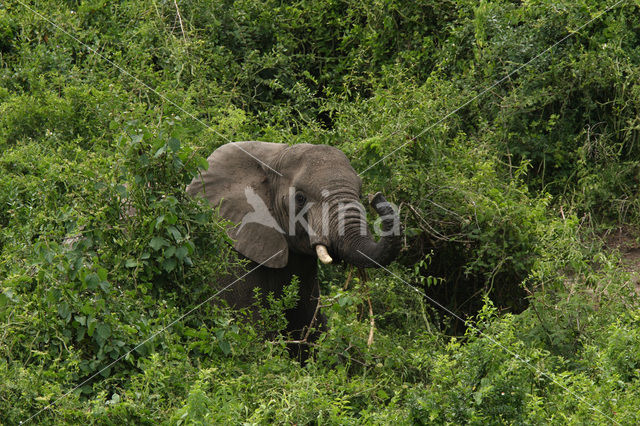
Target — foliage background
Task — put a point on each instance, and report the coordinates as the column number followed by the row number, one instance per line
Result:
column 508, row 193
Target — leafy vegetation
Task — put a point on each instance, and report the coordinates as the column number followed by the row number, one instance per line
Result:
column 506, row 132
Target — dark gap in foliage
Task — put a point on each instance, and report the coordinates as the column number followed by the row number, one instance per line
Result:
column 460, row 292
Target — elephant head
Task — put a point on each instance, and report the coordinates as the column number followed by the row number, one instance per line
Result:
column 302, row 197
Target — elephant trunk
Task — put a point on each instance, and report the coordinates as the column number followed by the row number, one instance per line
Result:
column 358, row 247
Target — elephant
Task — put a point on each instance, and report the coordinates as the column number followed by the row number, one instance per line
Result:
column 291, row 206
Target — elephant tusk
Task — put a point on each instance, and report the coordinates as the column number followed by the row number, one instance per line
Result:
column 323, row 255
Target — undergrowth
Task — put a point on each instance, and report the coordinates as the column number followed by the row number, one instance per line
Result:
column 505, row 306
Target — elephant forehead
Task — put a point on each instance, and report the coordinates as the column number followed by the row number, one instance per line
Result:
column 322, row 159
column 314, row 167
column 326, row 172
column 317, row 153
column 330, row 184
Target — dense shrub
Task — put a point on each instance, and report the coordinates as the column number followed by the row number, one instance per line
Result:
column 507, row 153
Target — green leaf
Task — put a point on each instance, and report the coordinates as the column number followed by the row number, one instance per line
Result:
column 224, row 346
column 104, row 330
column 174, row 144
column 177, row 163
column 122, row 191
column 344, row 300
column 160, row 151
column 171, row 218
column 170, row 251
column 382, row 395
column 102, row 274
column 158, row 242
column 202, row 217
column 131, row 263
column 169, row 264
column 91, row 326
column 136, row 138
column 201, row 162
column 144, row 161
column 105, row 286
column 63, row 310
column 92, row 280
column 88, row 308
column 106, row 372
column 7, row 296
column 174, row 233
column 182, row 252
column 144, row 349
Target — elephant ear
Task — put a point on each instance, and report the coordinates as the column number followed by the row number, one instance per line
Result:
column 238, row 181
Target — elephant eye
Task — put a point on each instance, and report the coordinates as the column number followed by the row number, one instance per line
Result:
column 301, row 199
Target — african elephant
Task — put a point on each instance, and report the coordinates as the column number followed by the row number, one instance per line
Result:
column 293, row 205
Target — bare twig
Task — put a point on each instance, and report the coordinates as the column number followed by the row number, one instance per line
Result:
column 313, row 319
column 346, row 283
column 430, row 229
column 175, row 2
column 292, row 342
column 362, row 274
column 372, row 322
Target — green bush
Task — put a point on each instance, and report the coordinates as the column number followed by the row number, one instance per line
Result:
column 505, row 305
